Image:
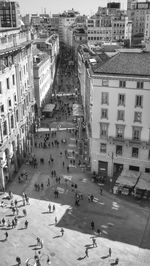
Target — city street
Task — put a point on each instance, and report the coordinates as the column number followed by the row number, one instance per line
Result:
column 120, row 228
column 122, row 223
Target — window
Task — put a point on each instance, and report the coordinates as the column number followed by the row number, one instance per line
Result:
column 120, row 131
column 139, row 101
column 104, row 82
column 5, row 128
column 147, row 170
column 137, row 117
column 15, row 98
column 103, row 147
column 140, row 85
column 104, row 97
column 121, row 99
column 103, row 130
column 20, row 75
column 135, row 152
column 136, row 133
column 9, row 103
column 7, row 83
column 17, row 117
column 104, row 113
column 118, row 150
column 0, row 87
column 2, row 108
column 13, row 79
column 12, row 121
column 121, row 115
column 122, row 83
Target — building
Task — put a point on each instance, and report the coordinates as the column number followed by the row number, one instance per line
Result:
column 107, row 25
column 26, row 20
column 137, row 14
column 16, row 102
column 147, row 27
column 50, row 45
column 9, row 14
column 116, row 96
column 66, row 19
column 42, row 78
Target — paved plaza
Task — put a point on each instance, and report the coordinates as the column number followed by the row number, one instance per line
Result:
column 121, row 222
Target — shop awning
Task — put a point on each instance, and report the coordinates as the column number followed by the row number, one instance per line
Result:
column 128, row 178
column 144, row 182
column 48, row 108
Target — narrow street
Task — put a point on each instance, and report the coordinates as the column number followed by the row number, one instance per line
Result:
column 61, row 168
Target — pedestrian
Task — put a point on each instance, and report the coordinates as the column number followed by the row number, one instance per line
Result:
column 101, row 191
column 24, row 212
column 92, row 225
column 42, row 186
column 63, row 164
column 89, row 198
column 27, row 200
column 68, row 169
column 55, row 220
column 116, row 261
column 16, row 202
column 49, row 207
column 48, row 182
column 18, row 260
column 41, row 242
column 26, row 224
column 3, row 221
column 38, row 241
column 53, row 207
column 62, row 231
column 110, row 252
column 94, row 242
column 86, row 252
column 6, row 235
column 13, row 223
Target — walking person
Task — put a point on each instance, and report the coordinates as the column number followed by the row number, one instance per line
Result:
column 24, row 212
column 86, row 252
column 6, row 235
column 55, row 220
column 92, row 225
column 94, row 242
column 49, row 207
column 62, row 231
column 53, row 207
column 26, row 224
column 41, row 242
column 110, row 251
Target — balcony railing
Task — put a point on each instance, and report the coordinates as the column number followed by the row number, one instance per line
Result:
column 14, row 40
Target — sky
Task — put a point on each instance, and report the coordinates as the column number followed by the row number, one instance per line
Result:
column 87, row 7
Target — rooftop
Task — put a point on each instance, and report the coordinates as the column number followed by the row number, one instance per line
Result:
column 126, row 63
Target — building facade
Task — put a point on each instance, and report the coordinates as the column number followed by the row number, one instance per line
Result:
column 107, row 25
column 42, row 79
column 118, row 102
column 16, row 103
column 137, row 14
column 9, row 14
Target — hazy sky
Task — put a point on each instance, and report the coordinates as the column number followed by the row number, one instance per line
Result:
column 87, row 7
